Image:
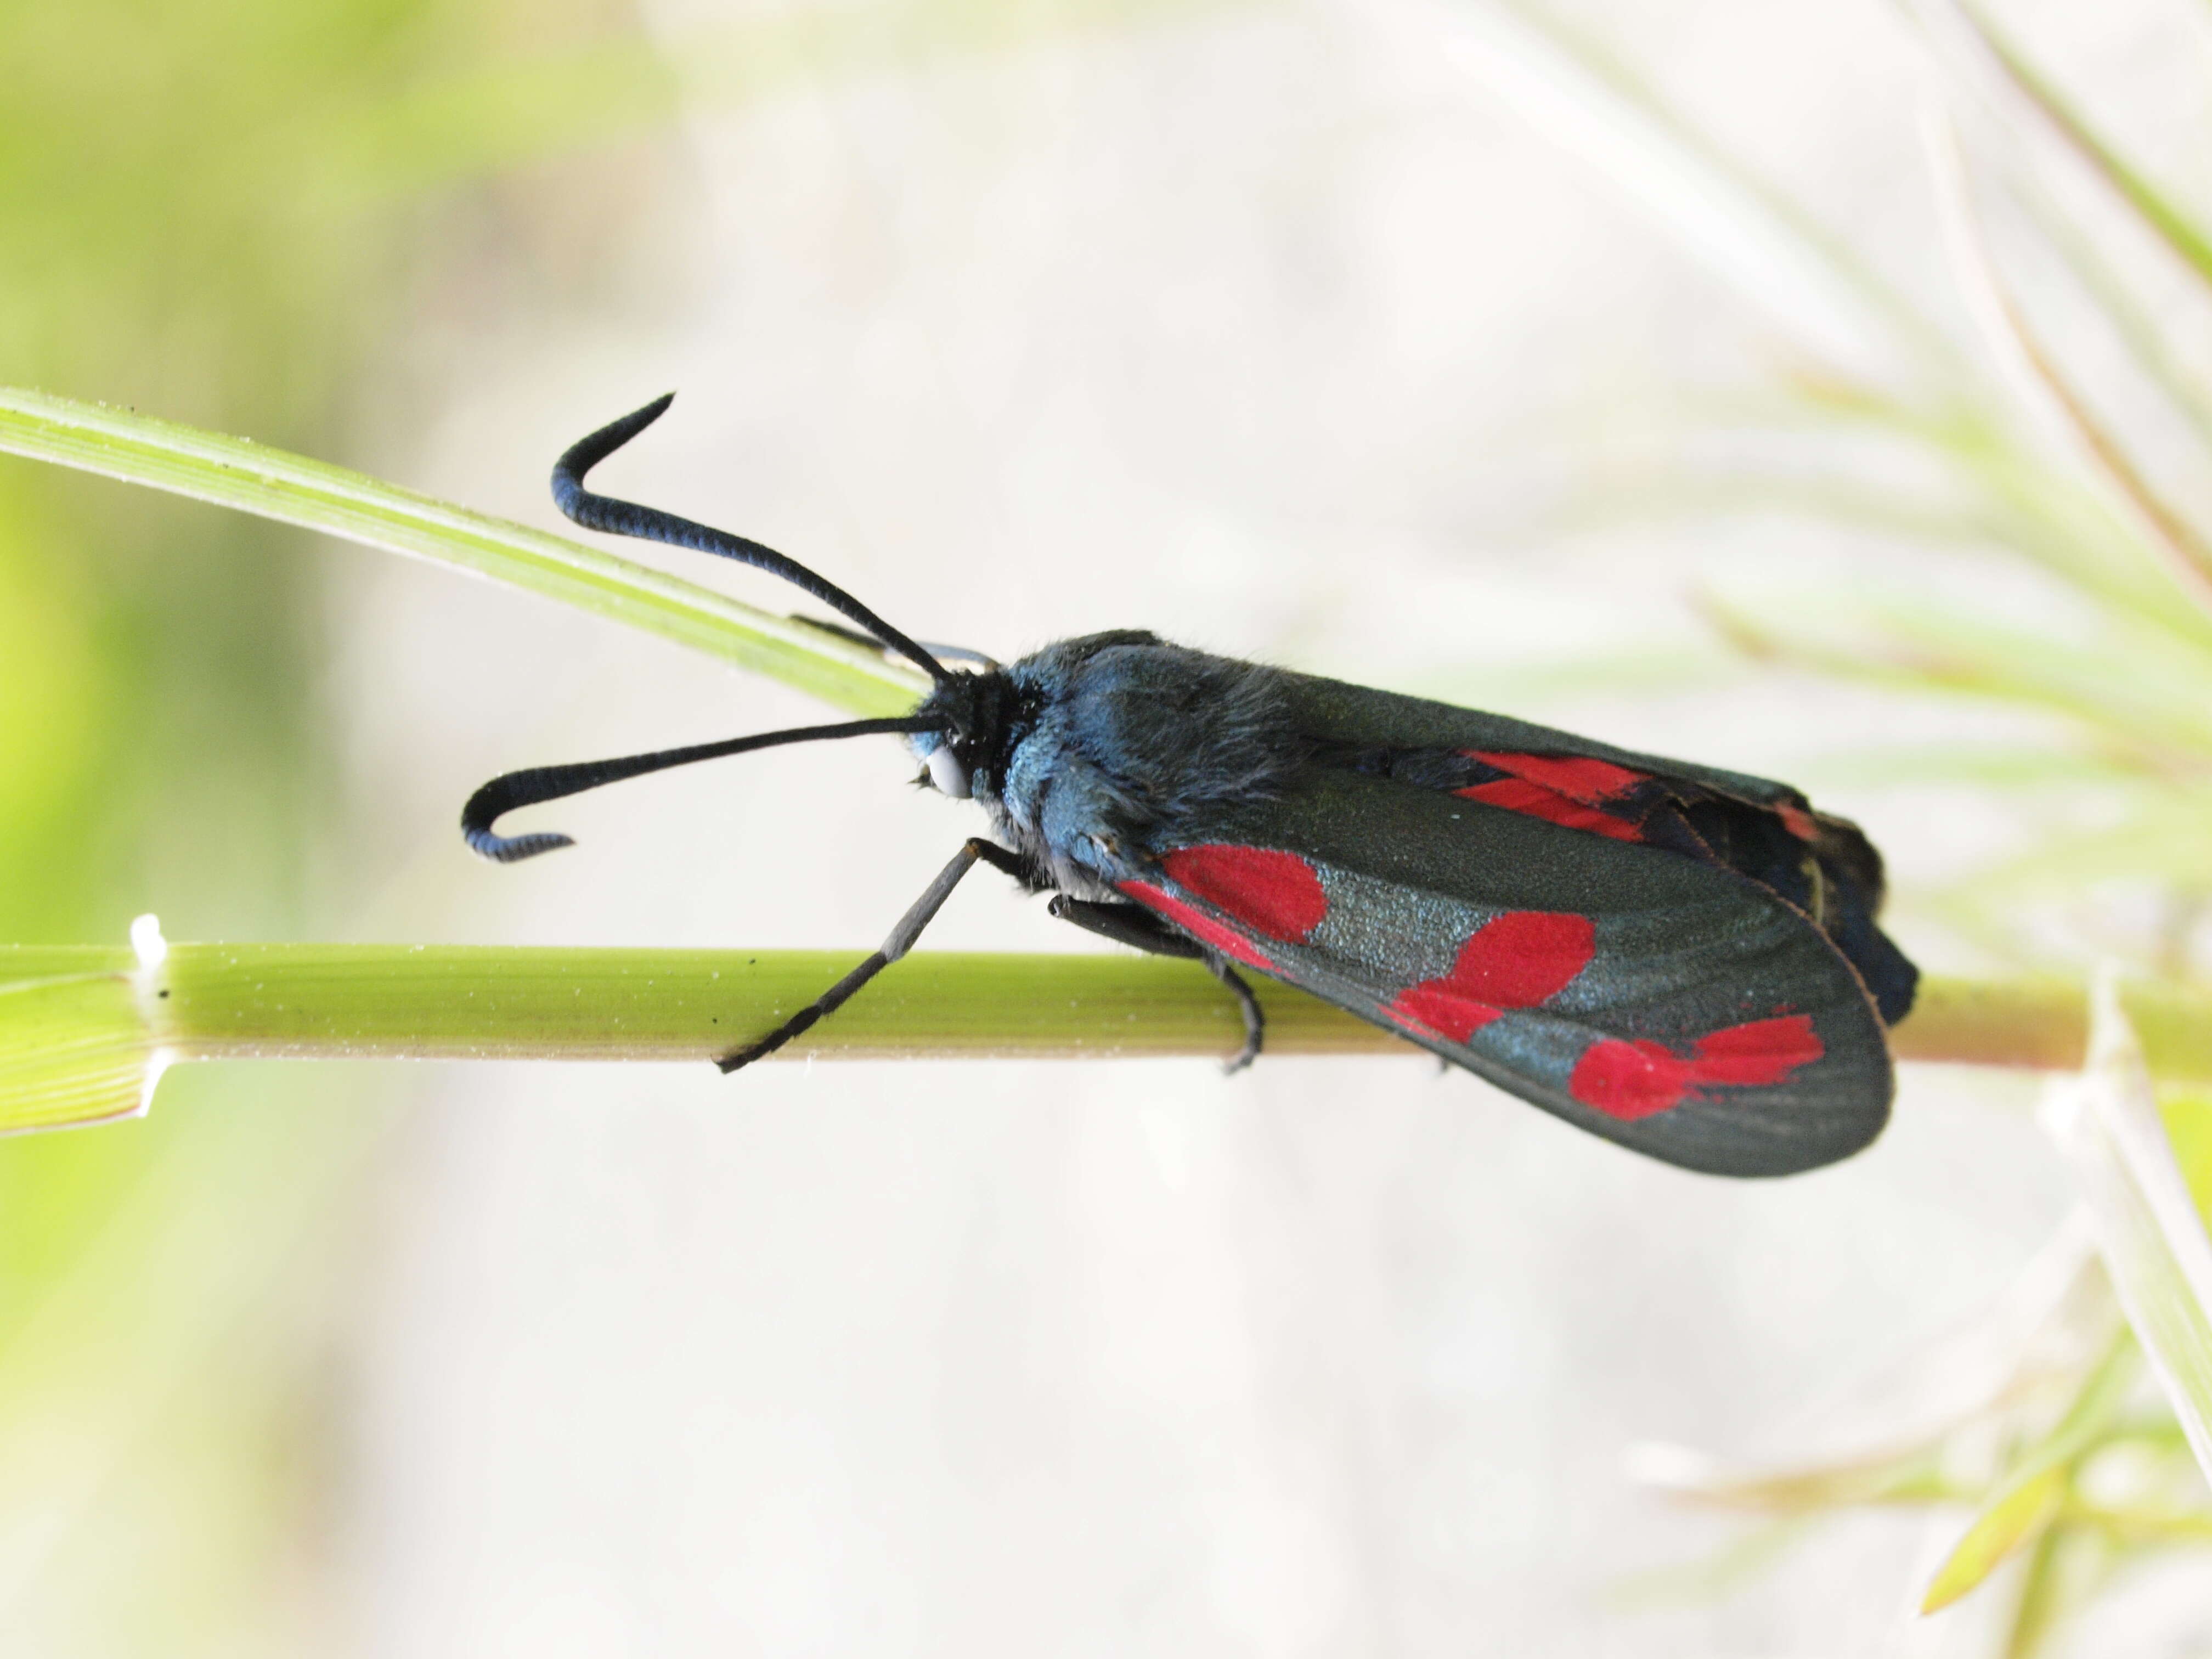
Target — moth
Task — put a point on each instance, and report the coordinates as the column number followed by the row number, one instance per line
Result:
column 1680, row 959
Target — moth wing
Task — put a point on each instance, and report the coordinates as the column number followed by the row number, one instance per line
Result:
column 1336, row 711
column 1676, row 1008
column 1762, row 829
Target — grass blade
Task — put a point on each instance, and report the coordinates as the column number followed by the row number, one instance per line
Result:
column 316, row 496
column 2037, row 372
column 2032, row 1496
column 76, row 1046
column 1715, row 210
column 2015, row 1520
column 2068, row 520
column 2133, row 325
column 1926, row 651
column 1973, row 39
column 2106, row 1121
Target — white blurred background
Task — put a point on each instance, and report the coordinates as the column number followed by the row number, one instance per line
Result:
column 1267, row 327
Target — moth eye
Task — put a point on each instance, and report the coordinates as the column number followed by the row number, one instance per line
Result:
column 946, row 772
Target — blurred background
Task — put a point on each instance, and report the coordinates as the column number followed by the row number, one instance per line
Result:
column 1273, row 325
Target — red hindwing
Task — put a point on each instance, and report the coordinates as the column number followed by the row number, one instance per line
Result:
column 1576, row 791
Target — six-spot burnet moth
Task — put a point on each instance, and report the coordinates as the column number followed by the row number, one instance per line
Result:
column 1678, row 958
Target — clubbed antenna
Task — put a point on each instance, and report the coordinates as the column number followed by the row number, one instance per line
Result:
column 619, row 518
column 542, row 783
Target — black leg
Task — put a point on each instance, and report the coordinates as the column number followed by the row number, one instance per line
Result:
column 1134, row 925
column 1126, row 924
column 900, row 942
column 1256, row 1023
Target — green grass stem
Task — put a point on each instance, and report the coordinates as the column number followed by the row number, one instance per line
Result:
column 455, row 1002
column 273, row 484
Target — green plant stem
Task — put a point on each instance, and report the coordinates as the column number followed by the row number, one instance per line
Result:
column 443, row 1002
column 120, row 443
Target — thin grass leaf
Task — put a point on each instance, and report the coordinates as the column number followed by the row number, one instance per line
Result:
column 76, row 1046
column 2032, row 367
column 1717, row 211
column 2140, row 1527
column 1931, row 650
column 2042, row 1601
column 2033, row 1493
column 2165, row 836
column 2187, row 1115
column 1847, row 503
column 2146, row 341
column 1911, row 1475
column 292, row 489
column 2140, row 689
column 2147, row 1227
column 2137, row 589
column 2052, row 516
column 1976, row 46
column 2015, row 1520
column 2140, row 681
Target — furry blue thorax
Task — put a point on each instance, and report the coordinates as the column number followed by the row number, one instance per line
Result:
column 1082, row 752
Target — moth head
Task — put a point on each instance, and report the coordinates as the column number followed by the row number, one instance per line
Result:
column 947, row 715
column 967, row 726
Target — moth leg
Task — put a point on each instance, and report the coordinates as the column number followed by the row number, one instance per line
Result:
column 1134, row 925
column 1126, row 924
column 901, row 939
column 1256, row 1023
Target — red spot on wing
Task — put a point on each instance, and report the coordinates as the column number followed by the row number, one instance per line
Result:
column 1198, row 925
column 1516, row 961
column 1798, row 821
column 1570, row 790
column 1630, row 1080
column 1519, row 795
column 1578, row 777
column 1760, row 1054
column 1277, row 894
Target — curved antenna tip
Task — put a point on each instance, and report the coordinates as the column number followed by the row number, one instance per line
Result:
column 513, row 849
column 615, row 434
column 588, row 452
column 620, row 517
column 512, row 791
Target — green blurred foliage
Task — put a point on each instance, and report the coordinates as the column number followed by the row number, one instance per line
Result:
column 217, row 210
column 202, row 218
